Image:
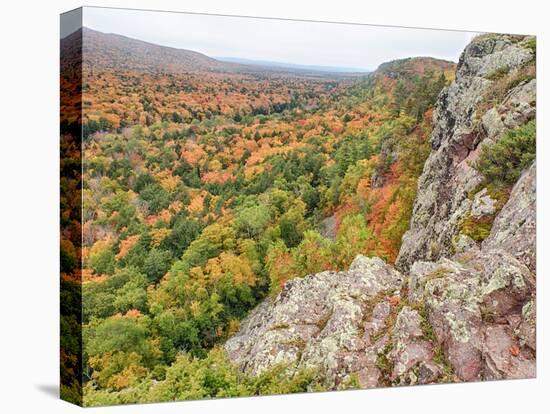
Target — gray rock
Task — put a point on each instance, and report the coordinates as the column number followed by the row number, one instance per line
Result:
column 327, row 227
column 527, row 328
column 341, row 323
column 377, row 323
column 411, row 349
column 483, row 205
column 491, row 124
column 463, row 243
column 491, row 54
column 520, row 104
column 450, row 293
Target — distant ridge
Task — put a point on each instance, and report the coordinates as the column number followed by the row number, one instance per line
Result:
column 414, row 65
column 285, row 65
column 117, row 52
column 108, row 51
column 113, row 51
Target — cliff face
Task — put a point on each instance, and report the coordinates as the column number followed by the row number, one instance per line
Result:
column 465, row 119
column 457, row 309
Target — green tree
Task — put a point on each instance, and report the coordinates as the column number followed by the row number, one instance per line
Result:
column 214, row 239
column 503, row 162
column 250, row 221
column 124, row 290
column 103, row 262
column 156, row 264
column 184, row 231
column 399, row 96
column 157, row 197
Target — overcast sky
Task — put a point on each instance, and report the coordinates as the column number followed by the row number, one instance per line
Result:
column 297, row 42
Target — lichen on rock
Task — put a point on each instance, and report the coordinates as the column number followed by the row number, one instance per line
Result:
column 320, row 322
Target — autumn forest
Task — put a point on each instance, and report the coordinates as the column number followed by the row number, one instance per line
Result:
column 206, row 186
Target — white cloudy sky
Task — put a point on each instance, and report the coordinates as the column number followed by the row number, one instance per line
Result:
column 298, row 42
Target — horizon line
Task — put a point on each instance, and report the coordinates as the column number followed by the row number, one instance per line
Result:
column 261, row 62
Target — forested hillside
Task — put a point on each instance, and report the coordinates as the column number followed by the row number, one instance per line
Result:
column 207, row 188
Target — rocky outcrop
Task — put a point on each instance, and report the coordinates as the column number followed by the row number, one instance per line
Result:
column 325, row 322
column 467, row 318
column 462, row 124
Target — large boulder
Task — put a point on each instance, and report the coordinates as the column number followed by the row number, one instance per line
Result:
column 324, row 321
